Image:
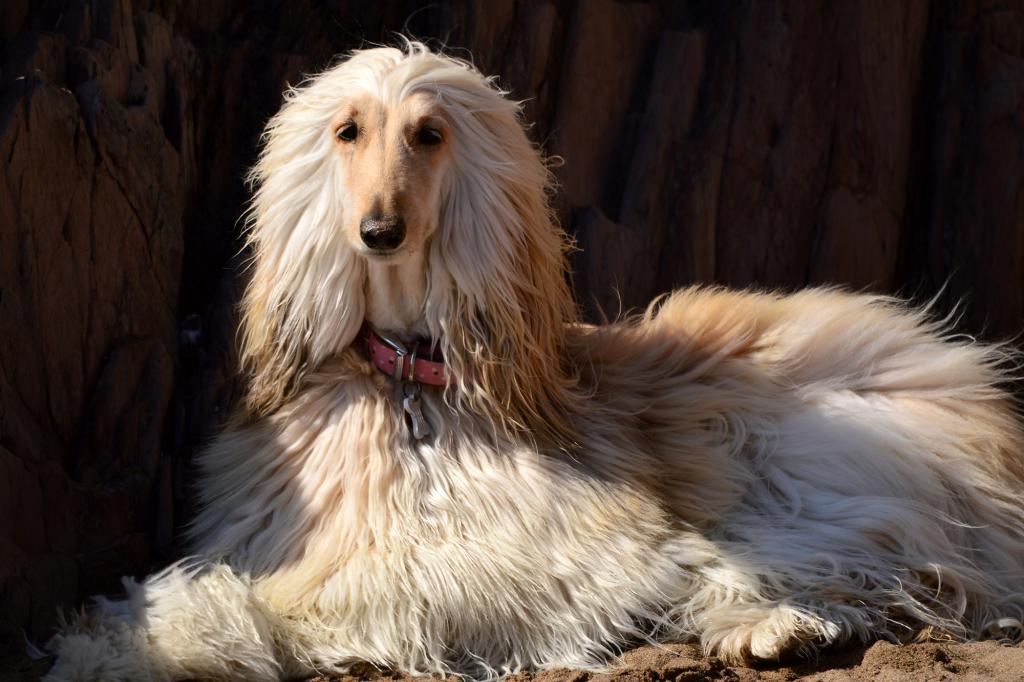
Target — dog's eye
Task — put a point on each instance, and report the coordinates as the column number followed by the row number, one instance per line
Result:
column 429, row 136
column 347, row 132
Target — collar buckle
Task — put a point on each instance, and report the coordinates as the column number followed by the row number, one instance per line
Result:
column 392, row 357
column 401, row 353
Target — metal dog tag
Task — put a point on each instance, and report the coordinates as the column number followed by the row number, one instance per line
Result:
column 411, row 405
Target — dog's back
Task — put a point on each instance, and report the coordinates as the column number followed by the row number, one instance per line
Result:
column 841, row 449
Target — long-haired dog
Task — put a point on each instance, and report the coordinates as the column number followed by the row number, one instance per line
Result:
column 440, row 469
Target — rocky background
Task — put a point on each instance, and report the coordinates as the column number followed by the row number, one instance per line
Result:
column 874, row 144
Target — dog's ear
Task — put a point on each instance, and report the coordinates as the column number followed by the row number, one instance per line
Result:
column 304, row 300
column 508, row 304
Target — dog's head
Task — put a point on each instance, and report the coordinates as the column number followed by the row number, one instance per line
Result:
column 400, row 188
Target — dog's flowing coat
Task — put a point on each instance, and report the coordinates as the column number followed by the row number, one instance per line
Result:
column 761, row 472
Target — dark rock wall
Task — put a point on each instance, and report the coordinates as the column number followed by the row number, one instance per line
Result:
column 876, row 144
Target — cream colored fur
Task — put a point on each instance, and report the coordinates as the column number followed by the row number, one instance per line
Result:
column 764, row 473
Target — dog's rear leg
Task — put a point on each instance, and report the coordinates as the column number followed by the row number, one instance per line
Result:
column 742, row 631
column 184, row 622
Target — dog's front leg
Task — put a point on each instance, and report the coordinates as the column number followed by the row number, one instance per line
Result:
column 188, row 621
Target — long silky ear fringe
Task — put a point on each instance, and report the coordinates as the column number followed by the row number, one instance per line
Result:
column 304, row 301
column 499, row 293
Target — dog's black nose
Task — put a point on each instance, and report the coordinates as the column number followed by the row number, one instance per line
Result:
column 382, row 232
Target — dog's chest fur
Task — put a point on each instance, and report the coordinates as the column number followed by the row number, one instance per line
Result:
column 366, row 526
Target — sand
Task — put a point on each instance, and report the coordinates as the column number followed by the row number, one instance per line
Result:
column 880, row 662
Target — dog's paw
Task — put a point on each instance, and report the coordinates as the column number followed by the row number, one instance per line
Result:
column 779, row 630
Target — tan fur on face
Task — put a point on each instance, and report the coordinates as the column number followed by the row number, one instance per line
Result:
column 386, row 169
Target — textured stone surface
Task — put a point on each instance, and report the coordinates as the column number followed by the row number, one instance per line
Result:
column 875, row 144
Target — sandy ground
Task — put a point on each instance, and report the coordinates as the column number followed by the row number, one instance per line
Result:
column 880, row 662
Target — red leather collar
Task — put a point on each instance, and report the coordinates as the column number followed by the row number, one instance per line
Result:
column 421, row 364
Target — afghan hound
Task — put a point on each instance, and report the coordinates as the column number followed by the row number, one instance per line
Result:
column 439, row 469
